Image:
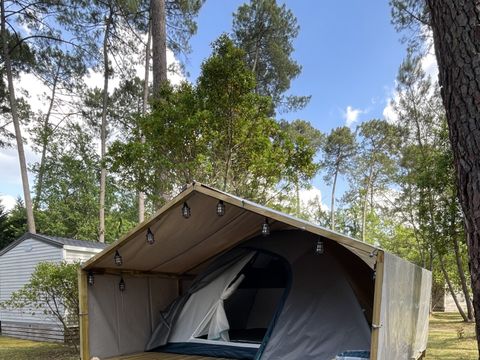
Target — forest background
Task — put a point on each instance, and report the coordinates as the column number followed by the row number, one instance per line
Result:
column 100, row 92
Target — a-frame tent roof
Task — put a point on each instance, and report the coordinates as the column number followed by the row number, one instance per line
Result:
column 182, row 245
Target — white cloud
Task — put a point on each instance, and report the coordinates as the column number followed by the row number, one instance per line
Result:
column 8, row 201
column 312, row 195
column 175, row 74
column 308, row 194
column 11, row 182
column 33, row 90
column 429, row 65
column 311, row 204
column 389, row 112
column 351, row 115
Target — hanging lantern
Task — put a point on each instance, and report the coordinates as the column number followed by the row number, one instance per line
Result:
column 90, row 278
column 319, row 247
column 118, row 259
column 121, row 284
column 265, row 228
column 150, row 238
column 186, row 211
column 220, row 208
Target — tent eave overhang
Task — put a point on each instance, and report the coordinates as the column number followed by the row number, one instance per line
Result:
column 183, row 244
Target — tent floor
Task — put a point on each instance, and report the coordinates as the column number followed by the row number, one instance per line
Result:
column 162, row 356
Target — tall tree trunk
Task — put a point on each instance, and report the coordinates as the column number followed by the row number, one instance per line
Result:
column 455, row 25
column 463, row 279
column 16, row 124
column 141, row 194
column 332, row 205
column 364, row 217
column 41, row 168
column 458, row 259
column 451, row 289
column 365, row 204
column 297, row 199
column 159, row 66
column 103, row 132
column 159, row 44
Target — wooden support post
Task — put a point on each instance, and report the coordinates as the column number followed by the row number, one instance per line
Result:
column 83, row 315
column 377, row 305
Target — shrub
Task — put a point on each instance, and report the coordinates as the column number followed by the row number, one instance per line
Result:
column 53, row 290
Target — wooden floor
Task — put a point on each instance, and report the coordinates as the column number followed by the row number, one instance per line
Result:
column 162, row 356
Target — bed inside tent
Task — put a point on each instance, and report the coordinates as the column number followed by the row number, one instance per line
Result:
column 215, row 287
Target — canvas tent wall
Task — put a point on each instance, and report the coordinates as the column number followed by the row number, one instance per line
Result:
column 115, row 322
column 321, row 316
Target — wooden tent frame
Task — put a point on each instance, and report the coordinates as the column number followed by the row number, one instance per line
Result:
column 249, row 206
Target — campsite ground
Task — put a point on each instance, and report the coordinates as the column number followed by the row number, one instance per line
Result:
column 16, row 349
column 450, row 339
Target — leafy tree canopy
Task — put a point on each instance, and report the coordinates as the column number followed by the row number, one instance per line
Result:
column 266, row 31
column 217, row 131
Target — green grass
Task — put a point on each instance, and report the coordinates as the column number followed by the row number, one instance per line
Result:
column 16, row 349
column 444, row 343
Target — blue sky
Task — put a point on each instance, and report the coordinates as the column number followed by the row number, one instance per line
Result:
column 349, row 51
column 350, row 55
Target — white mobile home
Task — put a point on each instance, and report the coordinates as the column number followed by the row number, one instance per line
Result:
column 17, row 262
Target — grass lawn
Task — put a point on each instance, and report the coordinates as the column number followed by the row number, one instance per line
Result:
column 16, row 349
column 444, row 340
column 444, row 343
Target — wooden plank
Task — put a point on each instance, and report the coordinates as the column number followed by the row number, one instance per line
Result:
column 162, row 356
column 139, row 228
column 83, row 315
column 377, row 305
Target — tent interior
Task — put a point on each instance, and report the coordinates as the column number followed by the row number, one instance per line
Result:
column 251, row 308
column 274, row 286
column 252, row 299
column 214, row 286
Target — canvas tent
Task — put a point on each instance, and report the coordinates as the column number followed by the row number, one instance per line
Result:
column 213, row 286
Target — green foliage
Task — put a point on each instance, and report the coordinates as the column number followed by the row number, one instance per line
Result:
column 265, row 31
column 308, row 142
column 22, row 57
column 53, row 291
column 69, row 203
column 181, row 24
column 6, row 233
column 13, row 224
column 19, row 349
column 338, row 150
column 218, row 132
column 411, row 18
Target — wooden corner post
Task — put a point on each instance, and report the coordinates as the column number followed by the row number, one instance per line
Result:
column 377, row 305
column 83, row 314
